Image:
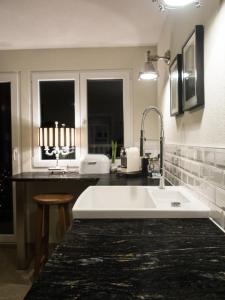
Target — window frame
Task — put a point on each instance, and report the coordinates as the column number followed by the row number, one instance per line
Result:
column 81, row 118
column 53, row 76
column 13, row 78
column 127, row 104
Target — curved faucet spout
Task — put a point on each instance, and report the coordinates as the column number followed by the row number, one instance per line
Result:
column 145, row 113
column 155, row 109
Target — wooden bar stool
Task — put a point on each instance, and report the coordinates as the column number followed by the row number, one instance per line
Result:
column 42, row 223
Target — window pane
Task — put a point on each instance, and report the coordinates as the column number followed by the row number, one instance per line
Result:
column 105, row 115
column 57, row 104
column 6, row 203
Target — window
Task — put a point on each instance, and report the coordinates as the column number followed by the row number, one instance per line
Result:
column 57, row 104
column 101, row 111
column 105, row 115
column 55, row 98
column 10, row 146
column 106, row 111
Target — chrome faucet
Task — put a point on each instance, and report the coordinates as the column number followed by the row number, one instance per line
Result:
column 142, row 139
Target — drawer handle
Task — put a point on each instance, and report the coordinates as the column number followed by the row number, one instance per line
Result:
column 92, row 163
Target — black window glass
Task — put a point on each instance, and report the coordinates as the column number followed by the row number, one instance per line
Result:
column 105, row 115
column 6, row 202
column 57, row 104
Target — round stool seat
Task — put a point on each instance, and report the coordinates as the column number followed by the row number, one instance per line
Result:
column 44, row 202
column 53, row 199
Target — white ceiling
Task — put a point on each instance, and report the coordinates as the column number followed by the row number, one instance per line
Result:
column 31, row 24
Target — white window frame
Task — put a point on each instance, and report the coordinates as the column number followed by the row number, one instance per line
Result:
column 53, row 76
column 13, row 79
column 127, row 104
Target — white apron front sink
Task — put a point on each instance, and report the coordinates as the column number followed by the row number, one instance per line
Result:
column 138, row 202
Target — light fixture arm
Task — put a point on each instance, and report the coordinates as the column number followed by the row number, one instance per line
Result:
column 156, row 57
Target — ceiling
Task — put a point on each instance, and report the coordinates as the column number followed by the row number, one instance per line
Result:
column 33, row 24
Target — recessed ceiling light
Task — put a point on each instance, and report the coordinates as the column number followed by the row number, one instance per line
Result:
column 172, row 4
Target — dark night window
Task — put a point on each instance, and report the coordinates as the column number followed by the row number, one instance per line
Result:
column 105, row 115
column 98, row 104
column 57, row 100
column 6, row 202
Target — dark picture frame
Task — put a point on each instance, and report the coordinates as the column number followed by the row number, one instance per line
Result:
column 176, row 86
column 193, row 69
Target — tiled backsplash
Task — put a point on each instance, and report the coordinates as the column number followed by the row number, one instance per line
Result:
column 201, row 169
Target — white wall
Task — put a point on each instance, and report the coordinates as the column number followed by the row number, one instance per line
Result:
column 26, row 61
column 205, row 127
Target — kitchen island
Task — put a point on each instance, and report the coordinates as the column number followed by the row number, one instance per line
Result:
column 169, row 259
column 30, row 183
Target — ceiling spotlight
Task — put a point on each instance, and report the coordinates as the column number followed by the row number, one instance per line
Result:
column 173, row 4
column 150, row 72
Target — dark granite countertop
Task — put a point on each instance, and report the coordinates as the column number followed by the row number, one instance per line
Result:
column 99, row 179
column 144, row 259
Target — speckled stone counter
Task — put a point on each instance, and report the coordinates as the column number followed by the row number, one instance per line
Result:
column 182, row 259
column 45, row 182
column 92, row 179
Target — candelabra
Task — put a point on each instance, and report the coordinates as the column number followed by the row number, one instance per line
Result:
column 61, row 140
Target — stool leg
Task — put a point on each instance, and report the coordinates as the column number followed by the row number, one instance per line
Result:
column 46, row 233
column 62, row 219
column 38, row 247
column 68, row 217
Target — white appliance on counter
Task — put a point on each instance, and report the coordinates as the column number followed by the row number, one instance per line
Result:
column 94, row 164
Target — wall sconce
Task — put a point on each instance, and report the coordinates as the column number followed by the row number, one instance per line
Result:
column 150, row 72
column 173, row 4
column 60, row 139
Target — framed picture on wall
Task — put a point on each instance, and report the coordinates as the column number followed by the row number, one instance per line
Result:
column 193, row 69
column 176, row 86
